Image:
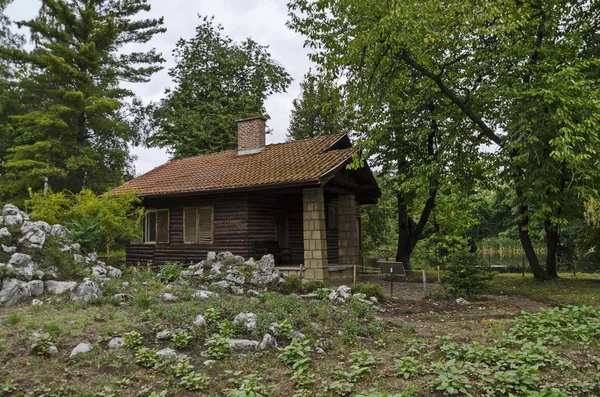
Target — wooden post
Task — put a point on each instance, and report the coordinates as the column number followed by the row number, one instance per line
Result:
column 391, row 282
column 354, row 279
column 424, row 284
column 438, row 274
column 301, row 271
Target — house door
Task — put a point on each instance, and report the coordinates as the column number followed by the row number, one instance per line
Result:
column 282, row 229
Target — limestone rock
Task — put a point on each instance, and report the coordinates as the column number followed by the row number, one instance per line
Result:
column 4, row 233
column 266, row 264
column 9, row 250
column 36, row 287
column 251, row 293
column 59, row 230
column 462, row 301
column 268, row 342
column 236, row 277
column 297, row 335
column 223, row 255
column 116, row 343
column 81, row 349
column 169, row 297
column 224, row 285
column 200, row 321
column 168, row 352
column 13, row 292
column 203, row 294
column 246, row 320
column 21, row 260
column 211, row 256
column 242, row 345
column 36, row 302
column 10, row 209
column 344, row 291
column 164, row 335
column 58, row 287
column 86, row 291
column 237, row 290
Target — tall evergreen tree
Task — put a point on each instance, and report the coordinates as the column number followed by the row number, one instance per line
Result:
column 217, row 81
column 319, row 110
column 78, row 130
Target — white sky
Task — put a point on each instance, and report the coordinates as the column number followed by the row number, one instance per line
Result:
column 263, row 20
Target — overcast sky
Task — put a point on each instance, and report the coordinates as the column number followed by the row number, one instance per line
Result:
column 263, row 20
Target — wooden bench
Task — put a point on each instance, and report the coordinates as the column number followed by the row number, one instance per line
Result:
column 281, row 255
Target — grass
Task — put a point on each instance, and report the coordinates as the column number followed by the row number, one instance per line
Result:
column 365, row 352
column 579, row 290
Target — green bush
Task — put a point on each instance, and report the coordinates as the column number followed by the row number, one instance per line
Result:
column 313, row 285
column 465, row 275
column 51, row 258
column 369, row 290
column 291, row 285
column 169, row 272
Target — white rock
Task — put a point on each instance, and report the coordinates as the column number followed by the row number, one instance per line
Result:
column 13, row 220
column 36, row 302
column 224, row 285
column 318, row 350
column 252, row 293
column 169, row 297
column 116, row 343
column 125, row 285
column 78, row 258
column 297, row 335
column 344, row 291
column 335, row 298
column 43, row 226
column 268, row 342
column 120, row 296
column 59, row 230
column 98, row 271
column 200, row 321
column 208, row 363
column 203, row 294
column 4, row 233
column 237, row 290
column 223, row 255
column 113, row 272
column 9, row 250
column 21, row 260
column 52, row 350
column 236, row 277
column 241, row 345
column 14, row 291
column 166, row 353
column 58, row 287
column 246, row 320
column 211, row 256
column 164, row 335
column 10, row 209
column 36, row 287
column 81, row 349
column 86, row 291
column 462, row 301
column 266, row 264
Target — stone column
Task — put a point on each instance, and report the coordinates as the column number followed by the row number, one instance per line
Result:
column 315, row 235
column 348, row 230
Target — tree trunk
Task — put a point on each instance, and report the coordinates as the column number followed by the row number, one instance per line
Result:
column 552, row 240
column 404, row 232
column 534, row 264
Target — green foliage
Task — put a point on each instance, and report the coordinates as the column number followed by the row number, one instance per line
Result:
column 291, row 284
column 40, row 344
column 313, row 285
column 77, row 119
column 451, row 378
column 198, row 115
column 371, row 290
column 211, row 316
column 182, row 339
column 53, row 258
column 181, row 367
column 319, row 110
column 7, row 388
column 13, row 319
column 218, row 346
column 295, row 355
column 409, row 367
column 359, row 309
column 146, row 357
column 465, row 274
column 194, row 381
column 249, row 385
column 95, row 222
column 133, row 339
column 283, row 329
column 170, row 272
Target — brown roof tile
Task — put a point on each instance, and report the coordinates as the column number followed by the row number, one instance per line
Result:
column 296, row 162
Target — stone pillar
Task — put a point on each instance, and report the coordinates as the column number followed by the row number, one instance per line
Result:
column 348, row 230
column 315, row 235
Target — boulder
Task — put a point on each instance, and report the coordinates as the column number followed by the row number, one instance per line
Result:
column 200, row 321
column 116, row 343
column 9, row 250
column 211, row 256
column 268, row 342
column 251, row 293
column 246, row 320
column 166, row 353
column 59, row 230
column 344, row 291
column 21, row 260
column 13, row 292
column 223, row 255
column 261, row 279
column 10, row 209
column 25, row 216
column 236, row 277
column 98, row 271
column 237, row 290
column 164, row 335
column 43, row 226
column 36, row 302
column 203, row 294
column 242, row 345
column 81, row 349
column 58, row 287
column 335, row 298
column 4, row 233
column 266, row 264
column 224, row 285
column 36, row 287
column 86, row 291
column 297, row 335
column 52, row 350
column 169, row 297
column 34, row 234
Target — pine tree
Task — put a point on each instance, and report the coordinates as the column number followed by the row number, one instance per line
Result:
column 80, row 125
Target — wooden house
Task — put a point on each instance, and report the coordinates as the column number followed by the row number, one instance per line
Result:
column 297, row 200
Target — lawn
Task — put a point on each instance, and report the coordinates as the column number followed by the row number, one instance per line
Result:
column 415, row 348
column 583, row 289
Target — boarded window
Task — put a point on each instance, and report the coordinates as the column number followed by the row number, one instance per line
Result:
column 332, row 214
column 198, row 225
column 156, row 226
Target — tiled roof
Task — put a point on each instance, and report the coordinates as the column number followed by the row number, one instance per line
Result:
column 298, row 162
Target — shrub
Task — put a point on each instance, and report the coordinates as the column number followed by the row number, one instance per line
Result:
column 313, row 285
column 291, row 285
column 369, row 290
column 133, row 339
column 217, row 346
column 169, row 272
column 182, row 339
column 465, row 275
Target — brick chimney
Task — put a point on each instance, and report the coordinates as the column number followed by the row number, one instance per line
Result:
column 251, row 135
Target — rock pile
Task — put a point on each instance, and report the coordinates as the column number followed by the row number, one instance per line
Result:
column 22, row 278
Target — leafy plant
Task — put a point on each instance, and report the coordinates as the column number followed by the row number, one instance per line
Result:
column 170, row 272
column 8, row 388
column 409, row 367
column 217, row 346
column 41, row 343
column 181, row 367
column 145, row 357
column 194, row 381
column 370, row 290
column 291, row 284
column 211, row 316
column 249, row 385
column 133, row 339
column 182, row 339
column 451, row 379
column 283, row 329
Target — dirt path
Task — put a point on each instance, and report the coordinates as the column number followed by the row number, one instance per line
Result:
column 524, row 304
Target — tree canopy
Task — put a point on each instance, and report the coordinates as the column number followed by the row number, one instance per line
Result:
column 217, row 81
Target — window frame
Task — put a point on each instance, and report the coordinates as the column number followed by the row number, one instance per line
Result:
column 146, row 225
column 197, row 228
